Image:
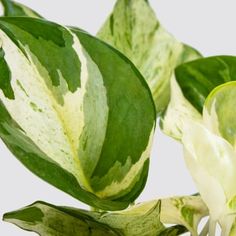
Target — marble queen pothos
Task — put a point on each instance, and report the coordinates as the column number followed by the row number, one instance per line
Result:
column 74, row 111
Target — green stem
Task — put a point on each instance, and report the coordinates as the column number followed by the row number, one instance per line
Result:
column 94, row 209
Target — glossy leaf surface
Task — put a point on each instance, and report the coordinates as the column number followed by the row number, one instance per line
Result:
column 142, row 219
column 134, row 29
column 75, row 111
column 198, row 78
column 193, row 83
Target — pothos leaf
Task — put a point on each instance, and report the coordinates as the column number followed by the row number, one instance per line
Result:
column 142, row 219
column 198, row 78
column 194, row 82
column 12, row 8
column 210, row 155
column 219, row 115
column 178, row 112
column 211, row 161
column 75, row 111
column 186, row 211
column 134, row 29
column 48, row 220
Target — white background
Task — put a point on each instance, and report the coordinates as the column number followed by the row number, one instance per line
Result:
column 208, row 25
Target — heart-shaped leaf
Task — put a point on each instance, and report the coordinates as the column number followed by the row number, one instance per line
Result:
column 75, row 111
column 134, row 29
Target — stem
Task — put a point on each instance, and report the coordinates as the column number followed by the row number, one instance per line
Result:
column 95, row 209
column 212, row 227
column 205, row 230
column 132, row 204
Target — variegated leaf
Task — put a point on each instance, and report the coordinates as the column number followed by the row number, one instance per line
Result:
column 178, row 112
column 173, row 231
column 198, row 78
column 48, row 220
column 141, row 219
column 186, row 211
column 134, row 29
column 210, row 155
column 12, row 8
column 233, row 229
column 212, row 162
column 195, row 81
column 75, row 111
column 219, row 111
column 208, row 158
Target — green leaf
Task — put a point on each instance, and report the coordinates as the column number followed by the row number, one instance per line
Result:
column 142, row 219
column 134, row 29
column 12, row 8
column 72, row 111
column 198, row 78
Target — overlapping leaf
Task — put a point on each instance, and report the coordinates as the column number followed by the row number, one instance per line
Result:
column 219, row 115
column 48, row 220
column 184, row 211
column 143, row 219
column 198, row 78
column 195, row 81
column 74, row 111
column 134, row 29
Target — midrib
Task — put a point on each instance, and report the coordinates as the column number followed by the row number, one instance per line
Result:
column 82, row 179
